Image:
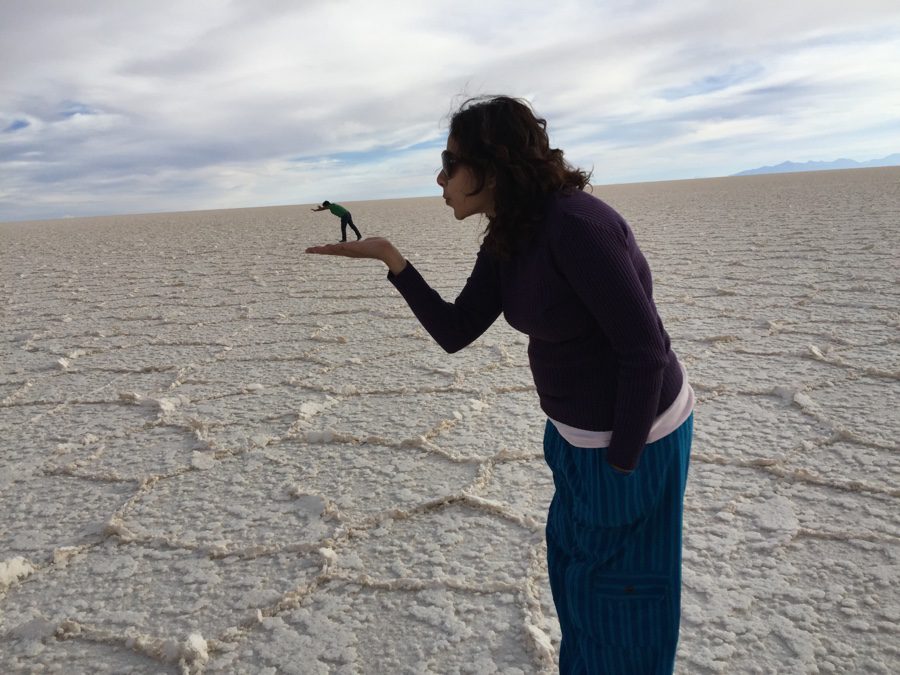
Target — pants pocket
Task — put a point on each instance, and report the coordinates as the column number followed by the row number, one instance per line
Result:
column 627, row 612
column 606, row 499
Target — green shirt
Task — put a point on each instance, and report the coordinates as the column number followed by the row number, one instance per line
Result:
column 338, row 210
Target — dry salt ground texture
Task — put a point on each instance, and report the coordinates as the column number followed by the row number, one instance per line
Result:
column 219, row 454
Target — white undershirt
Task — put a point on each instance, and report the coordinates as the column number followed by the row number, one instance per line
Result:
column 667, row 422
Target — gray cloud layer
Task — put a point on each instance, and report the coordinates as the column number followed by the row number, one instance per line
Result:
column 109, row 107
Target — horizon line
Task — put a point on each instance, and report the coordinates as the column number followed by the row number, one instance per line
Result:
column 745, row 176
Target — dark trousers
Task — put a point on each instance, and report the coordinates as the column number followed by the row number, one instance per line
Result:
column 614, row 555
column 346, row 220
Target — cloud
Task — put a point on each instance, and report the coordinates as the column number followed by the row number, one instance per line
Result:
column 109, row 107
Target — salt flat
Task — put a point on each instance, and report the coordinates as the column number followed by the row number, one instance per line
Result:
column 219, row 454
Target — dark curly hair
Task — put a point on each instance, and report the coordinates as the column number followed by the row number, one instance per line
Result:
column 502, row 140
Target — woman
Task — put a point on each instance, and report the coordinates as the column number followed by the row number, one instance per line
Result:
column 564, row 268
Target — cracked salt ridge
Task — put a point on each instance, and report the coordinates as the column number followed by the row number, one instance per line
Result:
column 228, row 456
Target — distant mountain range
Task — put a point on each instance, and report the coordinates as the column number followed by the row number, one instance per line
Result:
column 788, row 167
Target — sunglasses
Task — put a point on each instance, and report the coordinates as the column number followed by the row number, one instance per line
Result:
column 448, row 162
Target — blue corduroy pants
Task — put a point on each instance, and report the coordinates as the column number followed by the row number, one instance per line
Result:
column 614, row 555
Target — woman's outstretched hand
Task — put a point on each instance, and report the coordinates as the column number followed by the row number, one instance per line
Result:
column 377, row 248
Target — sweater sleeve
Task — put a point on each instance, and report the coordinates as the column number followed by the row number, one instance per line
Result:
column 453, row 325
column 600, row 259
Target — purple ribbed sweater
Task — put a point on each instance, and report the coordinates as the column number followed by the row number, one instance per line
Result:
column 582, row 292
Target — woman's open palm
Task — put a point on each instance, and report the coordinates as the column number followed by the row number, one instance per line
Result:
column 377, row 248
column 371, row 247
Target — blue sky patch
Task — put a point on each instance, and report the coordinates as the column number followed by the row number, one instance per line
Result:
column 377, row 153
column 16, row 125
column 358, row 157
column 716, row 82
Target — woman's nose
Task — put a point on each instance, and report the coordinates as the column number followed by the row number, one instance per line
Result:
column 441, row 178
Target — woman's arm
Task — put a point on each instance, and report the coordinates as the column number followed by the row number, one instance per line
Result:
column 601, row 260
column 453, row 325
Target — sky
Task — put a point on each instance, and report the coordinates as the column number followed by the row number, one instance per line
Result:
column 134, row 106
